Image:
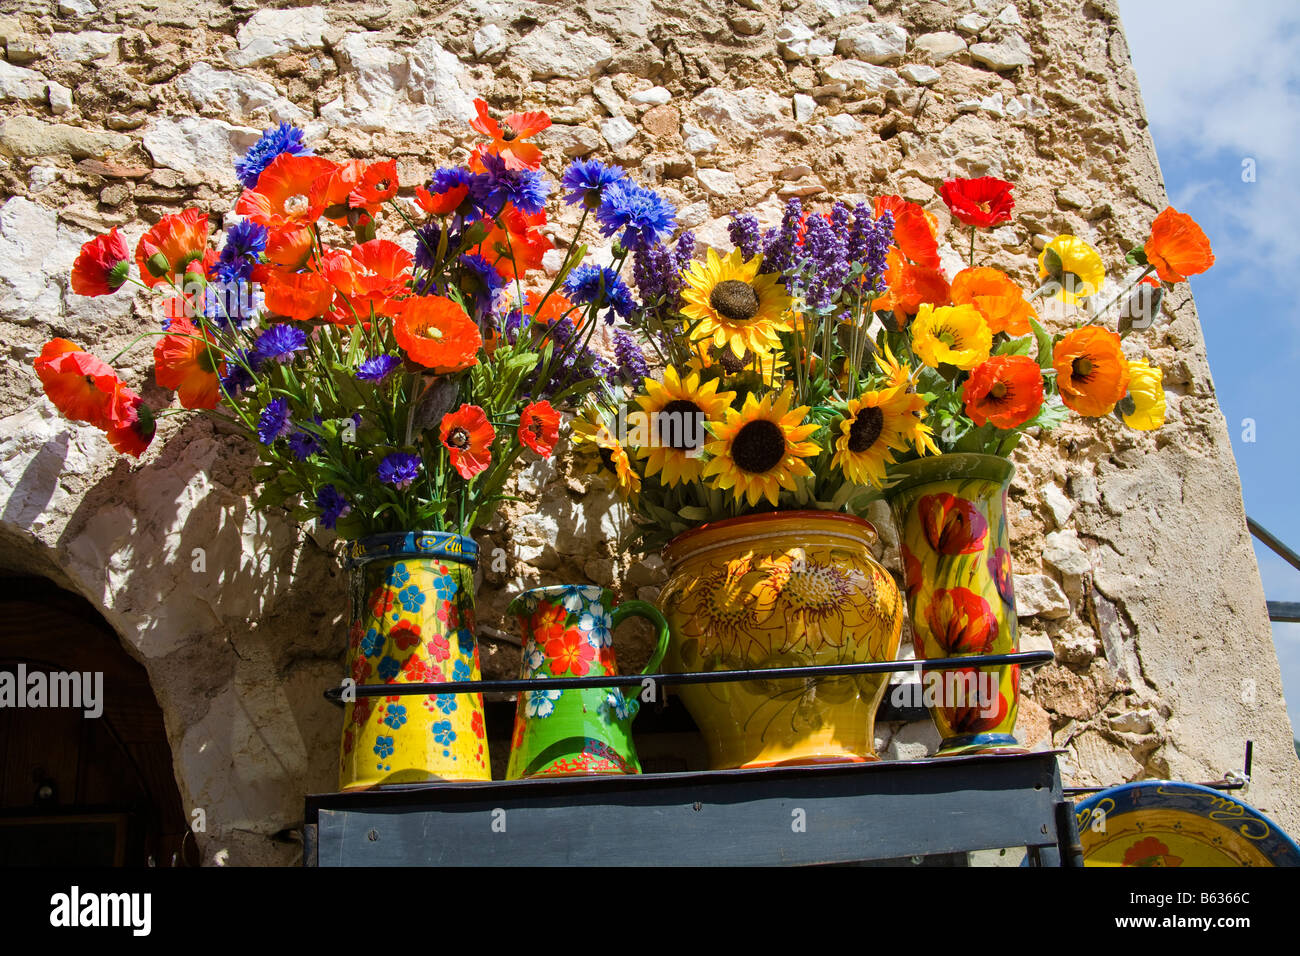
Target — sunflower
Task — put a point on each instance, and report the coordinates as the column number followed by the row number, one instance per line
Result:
column 733, row 305
column 677, row 410
column 1075, row 265
column 1147, row 395
column 1091, row 371
column 874, row 423
column 903, row 380
column 953, row 335
column 599, row 453
column 761, row 448
column 765, row 365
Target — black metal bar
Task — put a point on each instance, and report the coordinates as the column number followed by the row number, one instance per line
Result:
column 1250, row 758
column 1276, row 546
column 1024, row 658
column 1284, row 611
column 1067, row 833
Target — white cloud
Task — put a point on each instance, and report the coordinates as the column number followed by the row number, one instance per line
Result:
column 1221, row 82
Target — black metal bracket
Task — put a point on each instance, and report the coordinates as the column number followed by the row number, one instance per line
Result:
column 1023, row 658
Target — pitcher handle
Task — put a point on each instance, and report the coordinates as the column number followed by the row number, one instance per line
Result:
column 652, row 614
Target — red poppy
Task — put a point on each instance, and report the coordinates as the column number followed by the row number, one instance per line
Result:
column 514, row 245
column 80, row 385
column 330, row 191
column 468, row 435
column 298, row 295
column 368, row 278
column 916, row 232
column 1178, row 247
column 952, row 525
column 539, row 427
column 443, row 203
column 172, row 244
column 961, row 622
column 508, row 138
column 102, row 265
column 378, row 185
column 436, row 333
column 982, row 202
column 290, row 247
column 184, row 362
column 1006, row 390
column 570, row 653
column 131, row 422
column 1000, row 568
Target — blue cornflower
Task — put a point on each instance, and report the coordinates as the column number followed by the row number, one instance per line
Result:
column 644, row 216
column 280, row 342
column 378, row 368
column 525, row 189
column 399, row 469
column 236, row 378
column 274, row 421
column 427, row 238
column 244, row 240
column 303, row 444
column 587, row 179
column 279, row 139
column 449, row 177
column 481, row 279
column 599, row 286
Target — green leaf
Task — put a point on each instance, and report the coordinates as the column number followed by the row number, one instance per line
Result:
column 1044, row 339
column 1137, row 257
column 1018, row 346
column 1050, row 415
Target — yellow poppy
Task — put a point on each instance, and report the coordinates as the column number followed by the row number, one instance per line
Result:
column 733, row 306
column 1075, row 265
column 952, row 334
column 1146, row 392
column 761, row 449
column 676, row 412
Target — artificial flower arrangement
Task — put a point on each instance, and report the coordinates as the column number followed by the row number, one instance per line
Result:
column 385, row 389
column 803, row 365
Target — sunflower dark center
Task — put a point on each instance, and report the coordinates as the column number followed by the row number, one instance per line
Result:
column 459, row 438
column 866, row 428
column 734, row 300
column 758, row 447
column 730, row 364
column 607, row 458
column 680, row 425
column 1082, row 367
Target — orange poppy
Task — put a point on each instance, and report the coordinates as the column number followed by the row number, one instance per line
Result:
column 331, row 190
column 440, row 204
column 289, row 247
column 171, row 245
column 514, row 246
column 1007, row 390
column 1178, row 247
column 554, row 308
column 539, row 427
column 916, row 232
column 378, row 185
column 996, row 297
column 508, row 138
column 79, row 385
column 1091, row 371
column 908, row 287
column 436, row 333
column 102, row 265
column 467, row 435
column 131, row 422
column 369, row 277
column 298, row 295
column 182, row 361
column 284, row 195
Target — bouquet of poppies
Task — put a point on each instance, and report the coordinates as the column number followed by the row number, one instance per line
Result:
column 386, row 387
column 818, row 353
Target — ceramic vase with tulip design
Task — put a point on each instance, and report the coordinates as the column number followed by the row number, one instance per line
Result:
column 951, row 516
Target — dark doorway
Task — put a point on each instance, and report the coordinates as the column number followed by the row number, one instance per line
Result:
column 78, row 790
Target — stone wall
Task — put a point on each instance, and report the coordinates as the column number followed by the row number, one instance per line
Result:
column 1136, row 566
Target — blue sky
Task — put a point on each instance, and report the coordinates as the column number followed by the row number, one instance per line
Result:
column 1221, row 83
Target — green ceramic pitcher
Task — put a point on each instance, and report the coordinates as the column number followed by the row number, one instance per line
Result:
column 568, row 632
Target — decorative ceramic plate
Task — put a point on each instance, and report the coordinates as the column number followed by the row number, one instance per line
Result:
column 1167, row 823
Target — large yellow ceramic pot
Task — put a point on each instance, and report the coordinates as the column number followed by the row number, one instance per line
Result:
column 784, row 589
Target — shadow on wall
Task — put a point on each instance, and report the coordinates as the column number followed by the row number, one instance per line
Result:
column 237, row 617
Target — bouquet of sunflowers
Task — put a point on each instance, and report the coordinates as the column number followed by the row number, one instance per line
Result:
column 386, row 387
column 803, row 365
